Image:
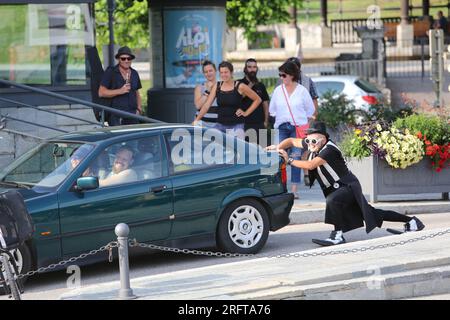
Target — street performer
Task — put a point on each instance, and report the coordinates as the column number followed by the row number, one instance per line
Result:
column 346, row 206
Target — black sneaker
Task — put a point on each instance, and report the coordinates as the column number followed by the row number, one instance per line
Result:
column 336, row 237
column 414, row 225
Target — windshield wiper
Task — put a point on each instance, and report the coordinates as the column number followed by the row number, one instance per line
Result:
column 15, row 184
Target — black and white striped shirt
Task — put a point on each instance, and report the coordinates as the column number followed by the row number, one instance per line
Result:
column 333, row 170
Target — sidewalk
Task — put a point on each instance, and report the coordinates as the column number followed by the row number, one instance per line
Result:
column 310, row 208
column 417, row 269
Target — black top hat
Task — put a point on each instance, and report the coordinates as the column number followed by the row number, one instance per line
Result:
column 318, row 127
column 124, row 50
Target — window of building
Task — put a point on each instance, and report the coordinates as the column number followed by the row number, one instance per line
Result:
column 44, row 44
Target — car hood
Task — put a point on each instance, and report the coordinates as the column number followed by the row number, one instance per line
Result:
column 27, row 194
column 36, row 200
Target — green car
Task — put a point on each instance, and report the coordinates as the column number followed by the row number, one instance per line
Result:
column 174, row 185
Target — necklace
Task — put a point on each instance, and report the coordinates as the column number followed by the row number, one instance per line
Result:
column 125, row 75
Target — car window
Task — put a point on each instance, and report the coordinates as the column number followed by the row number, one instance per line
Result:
column 325, row 86
column 47, row 165
column 366, row 86
column 130, row 161
column 187, row 153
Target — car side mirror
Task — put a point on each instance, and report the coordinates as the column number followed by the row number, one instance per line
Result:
column 86, row 183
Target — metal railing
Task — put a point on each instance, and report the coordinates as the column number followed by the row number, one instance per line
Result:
column 87, row 104
column 342, row 30
column 367, row 69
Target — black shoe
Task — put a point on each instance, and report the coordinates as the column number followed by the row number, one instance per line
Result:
column 414, row 225
column 335, row 238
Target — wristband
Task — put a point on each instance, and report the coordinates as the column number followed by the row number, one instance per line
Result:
column 290, row 160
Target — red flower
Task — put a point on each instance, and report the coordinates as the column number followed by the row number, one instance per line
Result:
column 430, row 151
column 419, row 135
column 439, row 169
column 427, row 142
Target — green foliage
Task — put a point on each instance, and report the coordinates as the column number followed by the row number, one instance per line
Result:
column 248, row 14
column 354, row 147
column 270, row 84
column 383, row 111
column 436, row 129
column 131, row 19
column 130, row 23
column 335, row 109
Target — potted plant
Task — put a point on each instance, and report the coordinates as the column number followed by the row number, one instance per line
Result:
column 409, row 156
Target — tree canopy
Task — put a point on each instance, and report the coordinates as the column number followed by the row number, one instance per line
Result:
column 130, row 23
column 248, row 14
column 131, row 19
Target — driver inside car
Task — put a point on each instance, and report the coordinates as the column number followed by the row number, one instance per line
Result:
column 121, row 170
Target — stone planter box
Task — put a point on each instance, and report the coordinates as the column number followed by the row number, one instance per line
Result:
column 377, row 178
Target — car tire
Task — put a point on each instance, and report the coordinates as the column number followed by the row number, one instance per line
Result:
column 23, row 258
column 243, row 227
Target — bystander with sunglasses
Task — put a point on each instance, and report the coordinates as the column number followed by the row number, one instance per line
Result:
column 121, row 84
column 293, row 108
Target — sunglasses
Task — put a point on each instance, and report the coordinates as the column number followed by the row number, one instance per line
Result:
column 282, row 75
column 126, row 58
column 312, row 141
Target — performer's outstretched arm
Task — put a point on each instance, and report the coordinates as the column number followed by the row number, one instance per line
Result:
column 303, row 164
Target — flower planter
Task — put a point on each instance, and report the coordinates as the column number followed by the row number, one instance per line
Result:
column 377, row 178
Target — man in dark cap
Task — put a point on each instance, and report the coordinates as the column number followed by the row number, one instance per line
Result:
column 121, row 83
column 346, row 206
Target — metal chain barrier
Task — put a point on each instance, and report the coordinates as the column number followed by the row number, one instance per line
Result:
column 134, row 243
column 109, row 247
column 123, row 243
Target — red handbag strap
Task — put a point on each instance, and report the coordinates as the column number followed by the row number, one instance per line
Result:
column 289, row 106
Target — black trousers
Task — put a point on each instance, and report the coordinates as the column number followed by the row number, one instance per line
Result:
column 344, row 213
column 256, row 127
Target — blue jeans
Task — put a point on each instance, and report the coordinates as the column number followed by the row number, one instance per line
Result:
column 287, row 130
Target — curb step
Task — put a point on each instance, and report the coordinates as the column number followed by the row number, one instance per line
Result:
column 399, row 285
column 304, row 216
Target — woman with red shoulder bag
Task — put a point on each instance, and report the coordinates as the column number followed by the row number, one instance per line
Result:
column 292, row 107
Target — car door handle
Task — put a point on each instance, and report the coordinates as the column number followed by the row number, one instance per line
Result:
column 158, row 189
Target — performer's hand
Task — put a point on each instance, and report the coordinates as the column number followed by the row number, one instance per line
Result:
column 284, row 154
column 195, row 123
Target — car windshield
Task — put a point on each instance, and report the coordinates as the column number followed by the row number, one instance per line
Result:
column 47, row 165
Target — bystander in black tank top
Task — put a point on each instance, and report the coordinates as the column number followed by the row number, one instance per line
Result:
column 229, row 102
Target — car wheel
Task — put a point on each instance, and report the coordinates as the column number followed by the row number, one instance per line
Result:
column 23, row 259
column 243, row 227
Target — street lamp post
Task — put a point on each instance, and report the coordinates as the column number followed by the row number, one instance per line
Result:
column 111, row 8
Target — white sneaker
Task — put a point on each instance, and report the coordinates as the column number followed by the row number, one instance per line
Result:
column 414, row 225
column 336, row 237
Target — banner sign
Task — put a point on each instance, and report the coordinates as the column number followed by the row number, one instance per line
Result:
column 190, row 37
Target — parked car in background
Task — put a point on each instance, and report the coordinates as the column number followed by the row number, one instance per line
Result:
column 363, row 93
column 231, row 204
